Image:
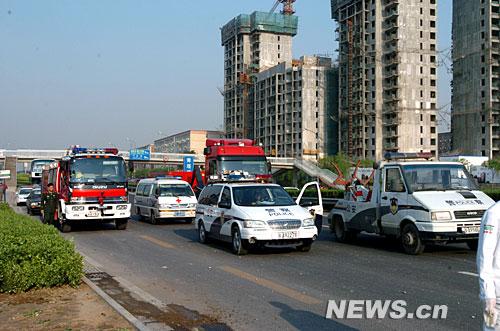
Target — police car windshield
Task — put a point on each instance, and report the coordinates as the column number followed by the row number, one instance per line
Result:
column 98, row 170
column 25, row 191
column 252, row 196
column 175, row 190
column 437, row 177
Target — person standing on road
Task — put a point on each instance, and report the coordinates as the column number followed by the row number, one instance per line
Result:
column 49, row 205
column 4, row 188
column 488, row 266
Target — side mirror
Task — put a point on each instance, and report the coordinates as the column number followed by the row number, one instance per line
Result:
column 225, row 205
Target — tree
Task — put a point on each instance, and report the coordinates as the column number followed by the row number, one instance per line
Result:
column 493, row 164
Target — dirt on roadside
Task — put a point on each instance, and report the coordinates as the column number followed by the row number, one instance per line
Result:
column 62, row 308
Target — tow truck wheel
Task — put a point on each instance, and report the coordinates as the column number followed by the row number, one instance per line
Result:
column 472, row 244
column 410, row 239
column 341, row 234
column 202, row 233
column 239, row 245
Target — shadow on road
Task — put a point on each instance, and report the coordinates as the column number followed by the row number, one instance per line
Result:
column 305, row 320
column 394, row 246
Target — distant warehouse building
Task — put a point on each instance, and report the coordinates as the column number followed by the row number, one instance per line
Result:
column 191, row 141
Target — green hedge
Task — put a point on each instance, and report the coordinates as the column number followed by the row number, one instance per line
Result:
column 493, row 193
column 23, row 179
column 34, row 255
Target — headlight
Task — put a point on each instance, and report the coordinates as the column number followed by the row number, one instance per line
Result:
column 308, row 222
column 254, row 224
column 441, row 216
column 77, row 208
column 191, row 205
column 121, row 207
column 165, row 206
column 34, row 204
column 124, row 198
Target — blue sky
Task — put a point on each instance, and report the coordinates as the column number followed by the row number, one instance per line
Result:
column 125, row 72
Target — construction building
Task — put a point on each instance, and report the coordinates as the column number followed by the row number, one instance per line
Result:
column 252, row 43
column 387, row 76
column 192, row 141
column 294, row 108
column 476, row 78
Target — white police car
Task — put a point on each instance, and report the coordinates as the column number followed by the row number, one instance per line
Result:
column 257, row 214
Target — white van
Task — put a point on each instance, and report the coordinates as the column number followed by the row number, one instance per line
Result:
column 162, row 198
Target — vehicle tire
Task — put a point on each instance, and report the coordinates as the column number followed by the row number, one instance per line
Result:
column 341, row 234
column 28, row 211
column 65, row 227
column 410, row 239
column 121, row 225
column 472, row 244
column 153, row 219
column 189, row 220
column 239, row 246
column 306, row 246
column 202, row 233
column 138, row 213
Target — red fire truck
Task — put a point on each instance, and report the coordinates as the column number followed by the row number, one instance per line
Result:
column 92, row 185
column 223, row 156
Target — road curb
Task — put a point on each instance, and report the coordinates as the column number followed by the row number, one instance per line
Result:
column 116, row 306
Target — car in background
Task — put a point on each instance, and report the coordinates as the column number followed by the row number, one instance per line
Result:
column 22, row 194
column 33, row 202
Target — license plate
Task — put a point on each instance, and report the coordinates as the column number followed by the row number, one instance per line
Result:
column 179, row 214
column 288, row 235
column 93, row 213
column 470, row 229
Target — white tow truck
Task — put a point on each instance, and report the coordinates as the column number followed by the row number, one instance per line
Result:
column 416, row 200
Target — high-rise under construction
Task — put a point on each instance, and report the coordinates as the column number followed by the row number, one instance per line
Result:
column 476, row 78
column 252, row 43
column 387, row 76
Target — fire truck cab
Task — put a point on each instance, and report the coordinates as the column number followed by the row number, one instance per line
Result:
column 224, row 156
column 92, row 186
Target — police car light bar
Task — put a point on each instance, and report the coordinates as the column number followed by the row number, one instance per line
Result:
column 169, row 177
column 407, row 156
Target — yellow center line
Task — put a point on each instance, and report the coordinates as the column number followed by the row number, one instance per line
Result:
column 296, row 295
column 158, row 242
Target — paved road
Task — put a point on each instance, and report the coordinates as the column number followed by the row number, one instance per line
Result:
column 285, row 289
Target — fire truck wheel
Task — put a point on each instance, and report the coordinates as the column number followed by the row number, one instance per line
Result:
column 121, row 225
column 65, row 227
column 153, row 219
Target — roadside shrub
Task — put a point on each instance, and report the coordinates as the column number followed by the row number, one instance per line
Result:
column 23, row 179
column 494, row 193
column 325, row 193
column 34, row 255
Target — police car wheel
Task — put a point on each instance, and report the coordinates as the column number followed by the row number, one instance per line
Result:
column 410, row 239
column 239, row 245
column 472, row 244
column 202, row 234
column 153, row 219
column 305, row 247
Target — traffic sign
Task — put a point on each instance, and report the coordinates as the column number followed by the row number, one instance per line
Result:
column 188, row 163
column 4, row 174
column 140, row 155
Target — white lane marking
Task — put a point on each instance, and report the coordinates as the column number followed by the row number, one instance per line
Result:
column 468, row 273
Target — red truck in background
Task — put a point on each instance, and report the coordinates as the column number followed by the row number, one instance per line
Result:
column 92, row 185
column 225, row 156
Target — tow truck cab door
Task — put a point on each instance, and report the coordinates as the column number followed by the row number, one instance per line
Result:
column 314, row 204
column 393, row 199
